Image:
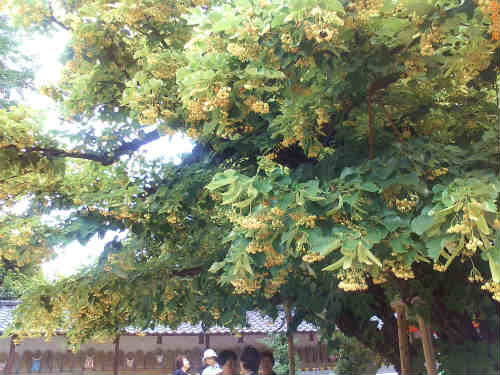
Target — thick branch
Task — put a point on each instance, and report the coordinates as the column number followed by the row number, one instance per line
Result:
column 188, row 272
column 104, row 159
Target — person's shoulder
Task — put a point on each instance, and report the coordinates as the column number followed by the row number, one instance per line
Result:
column 211, row 370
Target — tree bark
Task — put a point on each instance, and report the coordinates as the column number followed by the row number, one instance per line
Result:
column 425, row 331
column 12, row 356
column 116, row 357
column 404, row 352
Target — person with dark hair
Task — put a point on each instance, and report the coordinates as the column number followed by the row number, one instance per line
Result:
column 227, row 362
column 182, row 365
column 266, row 363
column 210, row 360
column 249, row 361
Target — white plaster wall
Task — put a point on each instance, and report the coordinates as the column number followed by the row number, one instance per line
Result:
column 4, row 345
column 149, row 343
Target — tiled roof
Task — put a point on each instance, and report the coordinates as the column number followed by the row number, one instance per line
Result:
column 256, row 323
column 6, row 308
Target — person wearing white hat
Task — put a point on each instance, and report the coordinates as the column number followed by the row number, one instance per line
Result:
column 209, row 358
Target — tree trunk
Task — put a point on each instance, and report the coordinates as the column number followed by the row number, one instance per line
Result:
column 425, row 331
column 404, row 352
column 12, row 355
column 116, row 357
column 291, row 351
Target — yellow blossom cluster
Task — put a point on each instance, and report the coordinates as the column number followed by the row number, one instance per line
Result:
column 215, row 312
column 471, row 246
column 493, row 288
column 260, row 107
column 474, row 62
column 352, row 280
column 399, row 269
column 196, row 110
column 241, row 52
column 276, row 211
column 407, row 204
column 288, row 141
column 148, row 115
column 249, row 222
column 475, row 276
column 272, row 257
column 223, row 93
column 287, row 43
column 459, row 228
column 304, row 62
column 366, row 9
column 431, row 175
column 245, row 286
column 254, row 247
column 322, row 116
column 321, row 32
column 345, row 221
column 301, row 219
column 379, row 279
column 428, row 40
column 312, row 257
column 439, row 267
column 273, row 286
column 414, row 67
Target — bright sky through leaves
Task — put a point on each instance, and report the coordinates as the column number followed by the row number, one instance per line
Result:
column 47, row 51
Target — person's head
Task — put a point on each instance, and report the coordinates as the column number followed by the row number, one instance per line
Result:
column 249, row 360
column 266, row 363
column 182, row 363
column 227, row 361
column 210, row 357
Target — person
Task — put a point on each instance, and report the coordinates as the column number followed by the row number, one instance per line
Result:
column 249, row 361
column 227, row 362
column 210, row 360
column 182, row 365
column 266, row 363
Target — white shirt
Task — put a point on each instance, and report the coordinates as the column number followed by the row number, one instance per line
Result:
column 212, row 370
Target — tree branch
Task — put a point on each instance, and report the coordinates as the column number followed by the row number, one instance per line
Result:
column 397, row 134
column 55, row 20
column 188, row 272
column 104, row 159
column 370, row 125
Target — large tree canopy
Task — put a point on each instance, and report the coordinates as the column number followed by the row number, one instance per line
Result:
column 347, row 154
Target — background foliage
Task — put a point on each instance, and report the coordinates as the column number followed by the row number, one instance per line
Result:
column 347, row 154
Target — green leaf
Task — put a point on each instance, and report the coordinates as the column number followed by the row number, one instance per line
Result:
column 435, row 245
column 216, row 267
column 347, row 172
column 397, row 245
column 334, row 5
column 494, row 269
column 335, row 266
column 222, row 179
column 482, row 225
column 421, row 223
column 369, row 186
column 322, row 244
column 394, row 222
column 372, row 257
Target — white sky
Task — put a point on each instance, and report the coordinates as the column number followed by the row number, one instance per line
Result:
column 47, row 52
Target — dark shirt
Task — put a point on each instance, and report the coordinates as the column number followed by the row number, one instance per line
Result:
column 179, row 372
